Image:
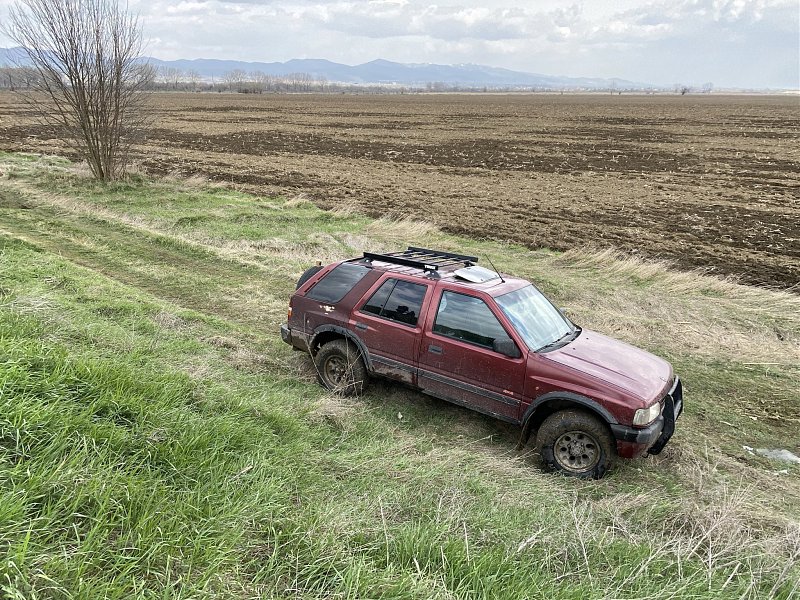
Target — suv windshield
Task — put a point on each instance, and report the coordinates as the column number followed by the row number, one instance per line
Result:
column 538, row 322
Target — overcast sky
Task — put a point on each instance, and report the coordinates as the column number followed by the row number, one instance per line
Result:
column 732, row 43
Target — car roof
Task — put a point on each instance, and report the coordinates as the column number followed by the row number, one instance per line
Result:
column 456, row 269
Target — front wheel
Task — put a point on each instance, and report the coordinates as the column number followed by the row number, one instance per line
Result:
column 340, row 368
column 575, row 443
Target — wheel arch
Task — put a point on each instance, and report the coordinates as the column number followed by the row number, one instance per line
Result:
column 552, row 402
column 327, row 333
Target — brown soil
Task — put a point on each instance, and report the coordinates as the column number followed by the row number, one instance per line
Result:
column 702, row 181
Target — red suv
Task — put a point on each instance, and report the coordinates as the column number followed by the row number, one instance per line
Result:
column 493, row 343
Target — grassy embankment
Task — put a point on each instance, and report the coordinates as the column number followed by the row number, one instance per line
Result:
column 158, row 440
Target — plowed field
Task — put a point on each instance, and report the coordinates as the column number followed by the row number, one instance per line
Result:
column 701, row 181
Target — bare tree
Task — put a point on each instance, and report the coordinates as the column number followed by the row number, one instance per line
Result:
column 260, row 81
column 235, row 80
column 18, row 78
column 170, row 76
column 193, row 78
column 91, row 78
column 681, row 89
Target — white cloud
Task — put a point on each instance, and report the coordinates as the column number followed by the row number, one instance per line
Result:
column 731, row 42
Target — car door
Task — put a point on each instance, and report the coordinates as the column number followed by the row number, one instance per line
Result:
column 458, row 362
column 388, row 321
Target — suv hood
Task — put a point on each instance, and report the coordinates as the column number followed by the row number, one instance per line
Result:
column 624, row 366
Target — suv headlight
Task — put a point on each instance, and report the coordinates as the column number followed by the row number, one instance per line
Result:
column 645, row 416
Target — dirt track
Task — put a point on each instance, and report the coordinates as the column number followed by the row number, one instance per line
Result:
column 709, row 181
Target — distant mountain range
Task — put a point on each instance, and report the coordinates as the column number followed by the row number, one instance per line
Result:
column 385, row 72
column 388, row 72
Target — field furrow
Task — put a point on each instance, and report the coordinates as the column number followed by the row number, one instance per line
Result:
column 703, row 181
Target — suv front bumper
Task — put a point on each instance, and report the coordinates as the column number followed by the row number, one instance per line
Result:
column 654, row 437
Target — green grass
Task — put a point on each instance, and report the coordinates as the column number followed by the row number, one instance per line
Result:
column 157, row 439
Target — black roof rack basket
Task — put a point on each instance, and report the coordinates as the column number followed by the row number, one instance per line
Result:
column 422, row 258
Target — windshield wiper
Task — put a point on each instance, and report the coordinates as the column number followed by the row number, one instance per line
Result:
column 563, row 340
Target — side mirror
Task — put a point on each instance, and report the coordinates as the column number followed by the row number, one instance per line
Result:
column 506, row 347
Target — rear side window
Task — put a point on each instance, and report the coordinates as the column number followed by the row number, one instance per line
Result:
column 335, row 285
column 397, row 300
column 375, row 303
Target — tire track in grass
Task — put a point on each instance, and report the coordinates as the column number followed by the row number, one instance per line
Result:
column 165, row 267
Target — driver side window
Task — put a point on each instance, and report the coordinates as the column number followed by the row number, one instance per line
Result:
column 468, row 319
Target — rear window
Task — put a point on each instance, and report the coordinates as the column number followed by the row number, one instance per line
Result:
column 335, row 285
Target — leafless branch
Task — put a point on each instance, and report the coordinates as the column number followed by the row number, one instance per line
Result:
column 90, row 81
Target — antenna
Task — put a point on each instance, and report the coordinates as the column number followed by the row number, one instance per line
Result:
column 495, row 269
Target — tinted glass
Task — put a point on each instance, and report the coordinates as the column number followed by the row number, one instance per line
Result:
column 335, row 285
column 397, row 300
column 405, row 302
column 375, row 304
column 469, row 319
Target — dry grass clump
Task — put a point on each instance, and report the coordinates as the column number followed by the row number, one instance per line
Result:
column 401, row 230
column 364, row 243
column 323, row 247
column 699, row 281
column 692, row 311
column 711, row 535
column 302, row 201
column 200, row 370
column 383, row 235
column 169, row 320
column 30, row 305
column 193, row 181
column 335, row 410
column 221, row 341
column 82, row 170
column 713, row 529
column 345, row 210
column 247, row 359
column 702, row 329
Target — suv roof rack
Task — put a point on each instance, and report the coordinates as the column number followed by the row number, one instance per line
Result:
column 422, row 258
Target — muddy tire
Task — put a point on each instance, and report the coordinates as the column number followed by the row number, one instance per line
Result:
column 575, row 443
column 307, row 274
column 340, row 368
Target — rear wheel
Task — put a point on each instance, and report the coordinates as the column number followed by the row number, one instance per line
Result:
column 340, row 367
column 575, row 443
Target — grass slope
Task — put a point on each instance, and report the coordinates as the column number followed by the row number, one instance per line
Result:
column 157, row 440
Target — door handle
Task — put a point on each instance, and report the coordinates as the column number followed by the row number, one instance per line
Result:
column 362, row 326
column 434, row 349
